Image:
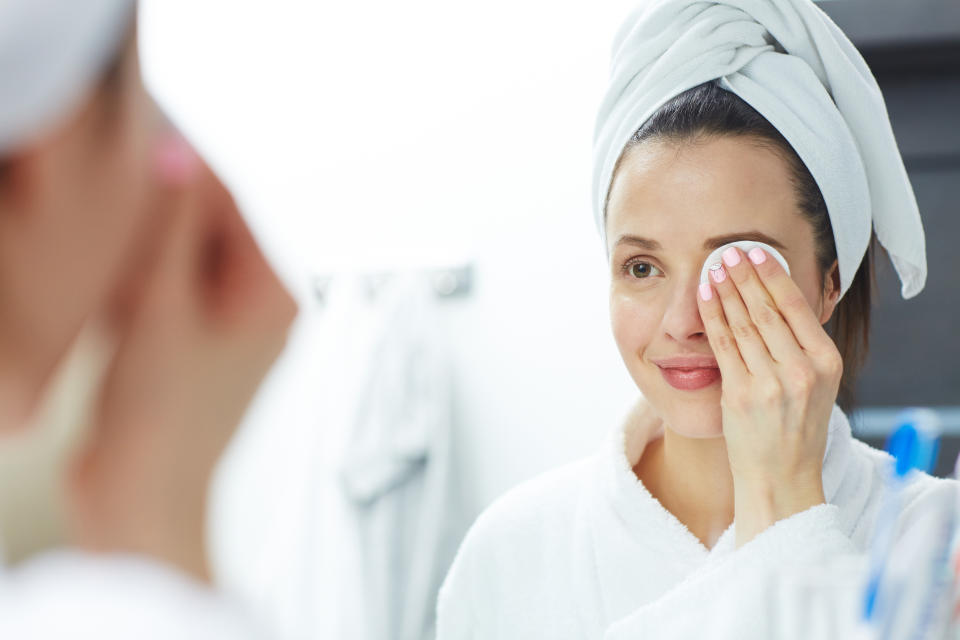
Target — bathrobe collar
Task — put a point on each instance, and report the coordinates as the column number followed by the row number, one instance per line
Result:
column 633, row 535
column 636, row 506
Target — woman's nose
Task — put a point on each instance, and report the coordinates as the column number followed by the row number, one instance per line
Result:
column 681, row 319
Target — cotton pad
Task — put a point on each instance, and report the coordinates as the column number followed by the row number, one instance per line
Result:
column 745, row 246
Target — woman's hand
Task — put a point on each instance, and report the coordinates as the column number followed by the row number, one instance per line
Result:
column 198, row 328
column 780, row 377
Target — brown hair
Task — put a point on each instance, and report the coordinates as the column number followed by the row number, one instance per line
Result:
column 707, row 110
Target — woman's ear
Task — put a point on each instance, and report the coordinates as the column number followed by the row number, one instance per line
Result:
column 831, row 292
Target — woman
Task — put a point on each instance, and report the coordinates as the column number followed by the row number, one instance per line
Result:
column 733, row 502
column 108, row 219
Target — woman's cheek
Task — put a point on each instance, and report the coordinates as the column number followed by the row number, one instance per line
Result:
column 634, row 322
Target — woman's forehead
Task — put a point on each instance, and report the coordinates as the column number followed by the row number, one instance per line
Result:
column 692, row 194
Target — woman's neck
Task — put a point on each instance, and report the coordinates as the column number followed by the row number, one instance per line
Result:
column 691, row 478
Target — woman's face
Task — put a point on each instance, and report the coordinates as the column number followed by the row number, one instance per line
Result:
column 73, row 212
column 671, row 205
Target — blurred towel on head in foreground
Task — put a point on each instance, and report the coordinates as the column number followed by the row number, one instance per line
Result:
column 51, row 54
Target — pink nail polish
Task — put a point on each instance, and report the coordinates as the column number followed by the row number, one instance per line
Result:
column 718, row 273
column 731, row 256
column 175, row 160
column 706, row 291
column 757, row 255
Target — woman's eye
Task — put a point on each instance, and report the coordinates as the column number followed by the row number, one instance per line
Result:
column 642, row 269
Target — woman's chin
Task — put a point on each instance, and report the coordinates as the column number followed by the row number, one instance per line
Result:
column 694, row 419
column 698, row 431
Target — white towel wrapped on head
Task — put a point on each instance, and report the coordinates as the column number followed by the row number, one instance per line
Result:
column 791, row 63
column 51, row 53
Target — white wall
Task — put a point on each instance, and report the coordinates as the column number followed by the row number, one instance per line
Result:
column 383, row 134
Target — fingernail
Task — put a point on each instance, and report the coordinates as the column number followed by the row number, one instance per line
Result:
column 706, row 291
column 718, row 273
column 731, row 256
column 175, row 160
column 757, row 255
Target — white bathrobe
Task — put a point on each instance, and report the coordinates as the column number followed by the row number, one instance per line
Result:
column 82, row 596
column 586, row 551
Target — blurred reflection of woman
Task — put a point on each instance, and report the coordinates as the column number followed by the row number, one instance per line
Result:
column 107, row 216
column 736, row 476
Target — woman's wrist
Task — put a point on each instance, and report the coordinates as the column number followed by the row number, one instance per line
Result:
column 120, row 502
column 758, row 504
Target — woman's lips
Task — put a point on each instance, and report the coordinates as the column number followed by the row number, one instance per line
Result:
column 690, row 379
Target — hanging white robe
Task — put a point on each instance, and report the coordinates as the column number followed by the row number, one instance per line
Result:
column 586, row 551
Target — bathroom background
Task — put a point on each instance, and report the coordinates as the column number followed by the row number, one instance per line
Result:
column 419, row 172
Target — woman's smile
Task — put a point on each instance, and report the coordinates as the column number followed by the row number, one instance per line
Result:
column 689, row 373
column 690, row 379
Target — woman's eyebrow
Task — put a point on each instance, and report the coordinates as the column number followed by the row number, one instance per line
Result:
column 709, row 244
column 638, row 241
column 718, row 241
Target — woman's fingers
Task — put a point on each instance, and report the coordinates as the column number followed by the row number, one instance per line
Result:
column 748, row 340
column 722, row 341
column 792, row 305
column 766, row 342
column 175, row 168
column 763, row 315
column 244, row 291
